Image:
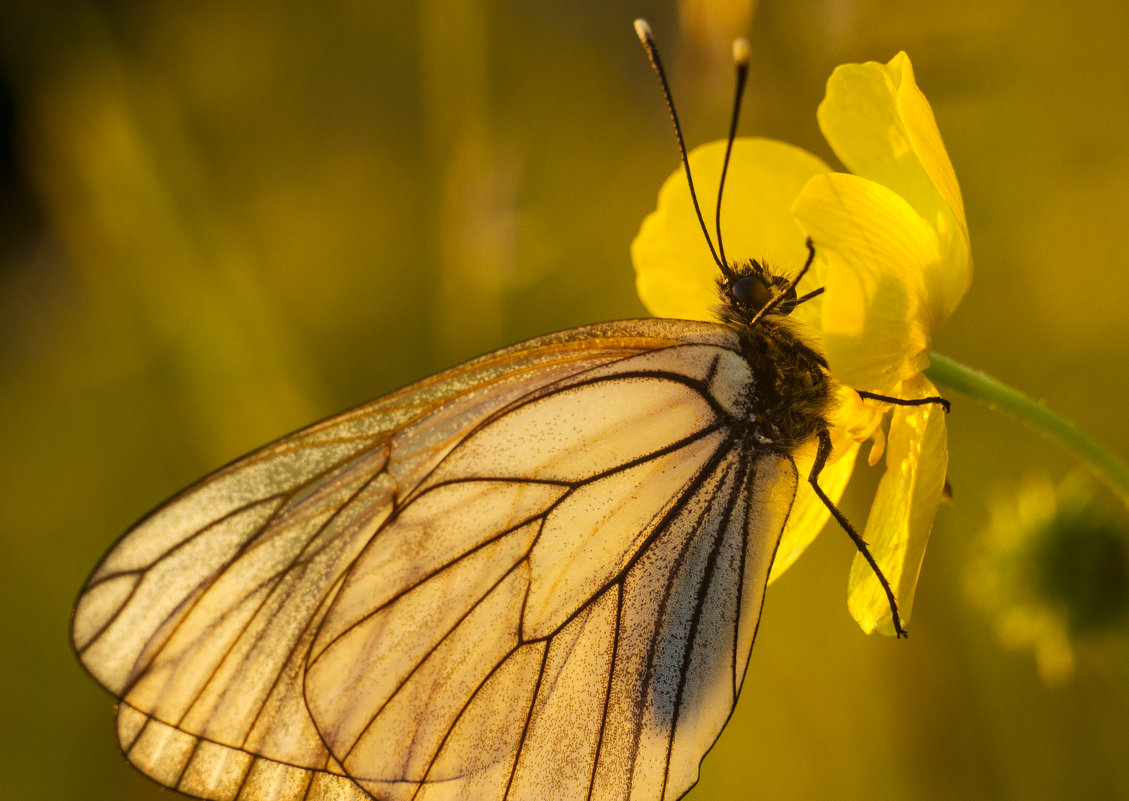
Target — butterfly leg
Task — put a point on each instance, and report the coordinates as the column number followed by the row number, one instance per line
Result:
column 822, row 453
column 862, row 393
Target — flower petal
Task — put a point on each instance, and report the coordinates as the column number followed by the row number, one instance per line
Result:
column 674, row 271
column 882, row 127
column 901, row 516
column 875, row 256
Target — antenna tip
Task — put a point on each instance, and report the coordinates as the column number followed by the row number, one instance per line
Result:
column 643, row 30
column 740, row 51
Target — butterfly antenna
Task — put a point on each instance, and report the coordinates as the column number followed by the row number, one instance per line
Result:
column 815, row 293
column 741, row 61
column 779, row 296
column 643, row 31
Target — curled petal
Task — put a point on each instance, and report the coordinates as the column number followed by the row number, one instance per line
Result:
column 882, row 127
column 878, row 257
column 674, row 270
column 901, row 516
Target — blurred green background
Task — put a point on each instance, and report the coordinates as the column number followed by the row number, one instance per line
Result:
column 221, row 221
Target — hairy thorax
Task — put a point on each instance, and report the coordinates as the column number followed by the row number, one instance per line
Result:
column 791, row 393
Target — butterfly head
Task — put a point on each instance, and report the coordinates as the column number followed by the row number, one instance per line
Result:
column 746, row 288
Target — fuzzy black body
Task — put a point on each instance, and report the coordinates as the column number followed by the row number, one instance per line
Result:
column 791, row 393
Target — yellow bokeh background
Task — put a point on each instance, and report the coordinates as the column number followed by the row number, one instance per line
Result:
column 221, row 221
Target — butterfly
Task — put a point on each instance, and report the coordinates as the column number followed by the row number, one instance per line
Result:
column 537, row 575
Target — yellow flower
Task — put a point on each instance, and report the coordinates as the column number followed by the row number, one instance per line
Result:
column 892, row 253
column 1052, row 570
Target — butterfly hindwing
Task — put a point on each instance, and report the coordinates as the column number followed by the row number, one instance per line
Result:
column 470, row 651
column 443, row 691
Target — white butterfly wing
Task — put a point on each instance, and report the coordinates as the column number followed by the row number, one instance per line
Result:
column 533, row 575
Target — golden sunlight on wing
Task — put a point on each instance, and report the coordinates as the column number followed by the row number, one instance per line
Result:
column 200, row 618
column 206, row 769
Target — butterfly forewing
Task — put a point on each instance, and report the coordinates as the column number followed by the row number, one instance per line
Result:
column 536, row 575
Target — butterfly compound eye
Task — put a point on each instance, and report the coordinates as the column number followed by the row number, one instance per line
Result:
column 750, row 291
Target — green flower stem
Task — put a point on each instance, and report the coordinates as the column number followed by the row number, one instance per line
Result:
column 1105, row 464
